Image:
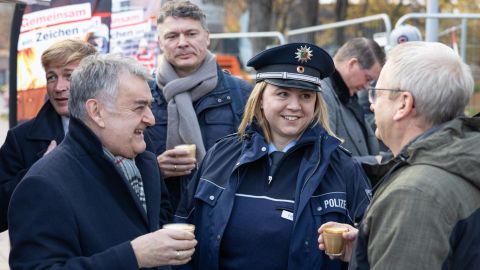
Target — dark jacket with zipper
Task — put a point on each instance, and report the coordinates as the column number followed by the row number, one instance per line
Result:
column 325, row 173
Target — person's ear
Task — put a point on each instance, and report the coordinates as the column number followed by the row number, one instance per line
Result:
column 95, row 112
column 208, row 37
column 160, row 39
column 406, row 106
column 352, row 62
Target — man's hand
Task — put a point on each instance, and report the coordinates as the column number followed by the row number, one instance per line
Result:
column 164, row 247
column 348, row 236
column 175, row 162
column 51, row 146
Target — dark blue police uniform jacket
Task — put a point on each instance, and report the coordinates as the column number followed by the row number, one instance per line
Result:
column 326, row 174
column 24, row 145
column 219, row 113
column 75, row 210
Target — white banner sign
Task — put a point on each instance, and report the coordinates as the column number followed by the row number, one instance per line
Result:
column 121, row 19
column 133, row 31
column 54, row 16
column 48, row 34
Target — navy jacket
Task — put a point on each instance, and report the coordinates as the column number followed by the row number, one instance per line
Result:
column 326, row 172
column 75, row 210
column 219, row 114
column 24, row 145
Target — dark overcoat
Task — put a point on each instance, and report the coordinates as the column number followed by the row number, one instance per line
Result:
column 24, row 145
column 75, row 210
column 346, row 126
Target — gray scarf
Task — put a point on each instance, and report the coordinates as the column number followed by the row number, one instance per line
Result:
column 180, row 94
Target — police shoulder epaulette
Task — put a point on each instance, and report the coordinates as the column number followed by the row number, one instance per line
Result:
column 345, row 150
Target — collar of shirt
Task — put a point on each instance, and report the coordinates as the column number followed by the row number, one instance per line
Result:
column 272, row 148
column 420, row 137
column 340, row 87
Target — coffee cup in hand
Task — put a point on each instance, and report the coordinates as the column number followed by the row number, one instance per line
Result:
column 333, row 240
column 192, row 148
column 180, row 226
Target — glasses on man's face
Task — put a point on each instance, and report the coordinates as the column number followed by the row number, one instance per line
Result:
column 372, row 93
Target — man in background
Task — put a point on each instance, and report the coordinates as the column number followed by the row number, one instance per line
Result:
column 29, row 141
column 195, row 101
column 399, row 35
column 404, row 33
column 358, row 63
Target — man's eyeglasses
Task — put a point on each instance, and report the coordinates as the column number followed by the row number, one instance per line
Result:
column 372, row 95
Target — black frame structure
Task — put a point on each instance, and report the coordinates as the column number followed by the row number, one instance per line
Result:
column 14, row 35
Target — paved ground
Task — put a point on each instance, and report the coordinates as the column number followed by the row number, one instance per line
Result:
column 4, row 249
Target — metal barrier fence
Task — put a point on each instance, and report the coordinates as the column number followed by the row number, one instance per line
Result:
column 388, row 28
column 328, row 26
column 283, row 39
column 274, row 34
column 429, row 37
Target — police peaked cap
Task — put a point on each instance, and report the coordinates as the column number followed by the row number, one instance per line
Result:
column 294, row 65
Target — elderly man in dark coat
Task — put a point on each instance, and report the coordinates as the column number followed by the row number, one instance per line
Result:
column 28, row 142
column 94, row 202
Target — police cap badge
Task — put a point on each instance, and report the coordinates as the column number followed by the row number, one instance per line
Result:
column 294, row 65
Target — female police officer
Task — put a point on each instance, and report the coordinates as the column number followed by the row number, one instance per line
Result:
column 259, row 196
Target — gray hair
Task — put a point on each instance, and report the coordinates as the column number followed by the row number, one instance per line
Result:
column 182, row 9
column 440, row 82
column 98, row 77
column 367, row 52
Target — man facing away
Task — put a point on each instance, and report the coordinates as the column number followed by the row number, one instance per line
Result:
column 425, row 211
column 358, row 63
column 94, row 202
column 195, row 101
column 28, row 142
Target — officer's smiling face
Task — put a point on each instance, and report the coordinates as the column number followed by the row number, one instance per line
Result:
column 288, row 111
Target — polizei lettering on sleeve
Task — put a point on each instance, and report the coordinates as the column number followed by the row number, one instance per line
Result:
column 335, row 202
column 330, row 202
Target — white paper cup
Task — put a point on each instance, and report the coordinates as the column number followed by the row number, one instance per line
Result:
column 192, row 148
column 180, row 226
